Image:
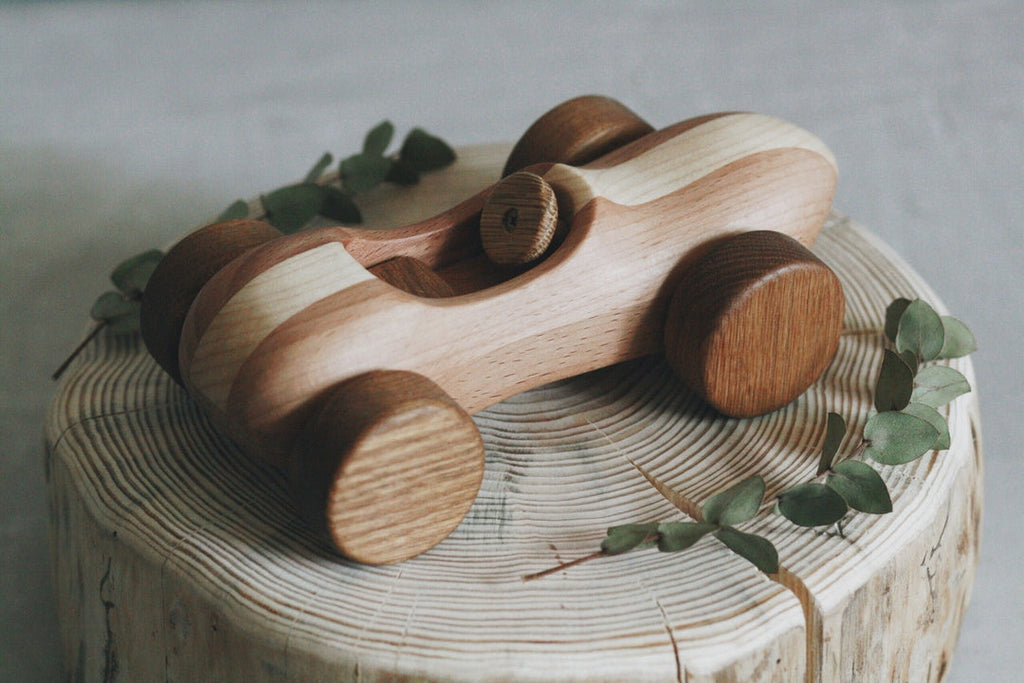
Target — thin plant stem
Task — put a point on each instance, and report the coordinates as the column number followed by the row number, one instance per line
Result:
column 78, row 349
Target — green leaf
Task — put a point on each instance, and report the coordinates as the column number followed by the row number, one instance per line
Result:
column 932, row 417
column 676, row 536
column 126, row 324
column 118, row 312
column 238, row 209
column 378, row 139
column 736, row 504
column 920, row 331
column 318, row 168
column 938, row 385
column 289, row 208
column 622, row 539
column 424, row 152
column 340, row 207
column 898, row 438
column 360, row 172
column 861, row 487
column 131, row 275
column 835, row 430
column 910, row 359
column 957, row 339
column 757, row 550
column 895, row 383
column 893, row 313
column 112, row 305
column 402, row 173
column 812, row 504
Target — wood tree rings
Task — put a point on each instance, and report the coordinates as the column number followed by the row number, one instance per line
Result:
column 576, row 132
column 178, row 558
column 518, row 220
column 754, row 322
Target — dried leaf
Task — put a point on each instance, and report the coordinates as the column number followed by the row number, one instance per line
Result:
column 932, row 417
column 893, row 313
column 238, row 209
column 957, row 340
column 676, row 536
column 812, row 504
column 131, row 275
column 938, row 385
column 118, row 312
column 360, row 172
column 289, row 208
column 378, row 139
column 898, row 438
column 622, row 539
column 125, row 324
column 861, row 487
column 340, row 207
column 895, row 383
column 757, row 550
column 835, row 430
column 318, row 168
column 920, row 331
column 112, row 305
column 910, row 359
column 736, row 504
column 402, row 173
column 424, row 152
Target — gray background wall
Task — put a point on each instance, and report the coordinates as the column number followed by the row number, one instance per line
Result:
column 122, row 125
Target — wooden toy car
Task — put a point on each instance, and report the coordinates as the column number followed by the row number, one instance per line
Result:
column 354, row 358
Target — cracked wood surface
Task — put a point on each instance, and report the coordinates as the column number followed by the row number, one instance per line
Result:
column 178, row 558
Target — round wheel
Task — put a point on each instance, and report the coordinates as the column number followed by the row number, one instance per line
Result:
column 576, row 132
column 388, row 467
column 180, row 275
column 754, row 322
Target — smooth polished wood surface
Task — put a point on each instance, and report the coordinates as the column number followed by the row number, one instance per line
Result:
column 388, row 467
column 183, row 558
column 518, row 220
column 182, row 272
column 576, row 132
column 753, row 322
column 273, row 331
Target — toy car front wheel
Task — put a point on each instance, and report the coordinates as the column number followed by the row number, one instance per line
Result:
column 388, row 467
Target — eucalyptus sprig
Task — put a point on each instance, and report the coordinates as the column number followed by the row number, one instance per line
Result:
column 289, row 209
column 904, row 425
column 118, row 310
column 720, row 513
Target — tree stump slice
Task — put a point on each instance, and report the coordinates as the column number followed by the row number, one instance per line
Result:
column 178, row 558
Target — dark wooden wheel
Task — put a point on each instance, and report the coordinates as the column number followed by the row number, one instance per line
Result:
column 753, row 322
column 576, row 132
column 388, row 467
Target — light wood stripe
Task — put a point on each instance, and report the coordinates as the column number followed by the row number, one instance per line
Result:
column 265, row 302
column 664, row 169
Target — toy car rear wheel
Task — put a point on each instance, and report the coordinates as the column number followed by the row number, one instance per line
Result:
column 754, row 322
column 576, row 132
column 182, row 272
column 388, row 467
